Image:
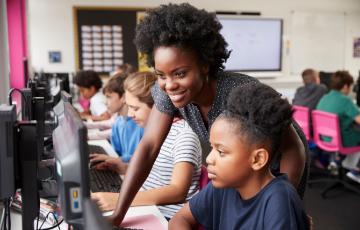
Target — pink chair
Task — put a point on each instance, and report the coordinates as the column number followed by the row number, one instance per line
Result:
column 302, row 117
column 204, row 179
column 327, row 136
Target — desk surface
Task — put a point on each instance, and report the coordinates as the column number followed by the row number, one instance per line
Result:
column 133, row 211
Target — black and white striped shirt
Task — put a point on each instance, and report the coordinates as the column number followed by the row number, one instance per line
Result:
column 181, row 145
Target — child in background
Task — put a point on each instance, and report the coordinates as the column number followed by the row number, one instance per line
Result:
column 174, row 178
column 125, row 68
column 125, row 134
column 89, row 84
column 244, row 194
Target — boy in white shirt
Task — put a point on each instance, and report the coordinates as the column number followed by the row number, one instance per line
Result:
column 89, row 84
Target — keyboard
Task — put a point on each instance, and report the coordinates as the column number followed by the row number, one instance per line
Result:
column 96, row 149
column 104, row 181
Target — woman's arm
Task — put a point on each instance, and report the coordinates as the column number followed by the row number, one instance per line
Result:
column 104, row 116
column 183, row 219
column 142, row 161
column 293, row 156
column 173, row 193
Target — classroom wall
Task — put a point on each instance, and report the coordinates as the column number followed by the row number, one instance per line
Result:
column 51, row 26
column 17, row 40
column 4, row 58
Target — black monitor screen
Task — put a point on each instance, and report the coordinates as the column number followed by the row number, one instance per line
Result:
column 325, row 78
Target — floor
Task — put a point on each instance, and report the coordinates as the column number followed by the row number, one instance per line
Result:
column 340, row 211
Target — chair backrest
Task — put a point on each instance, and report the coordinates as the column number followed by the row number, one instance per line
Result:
column 302, row 117
column 204, row 179
column 326, row 128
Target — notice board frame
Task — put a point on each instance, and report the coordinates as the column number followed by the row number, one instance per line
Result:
column 126, row 17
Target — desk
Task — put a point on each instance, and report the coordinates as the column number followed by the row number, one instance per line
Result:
column 133, row 211
column 144, row 210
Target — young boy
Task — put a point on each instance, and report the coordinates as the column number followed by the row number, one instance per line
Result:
column 115, row 102
column 244, row 194
column 125, row 133
column 89, row 84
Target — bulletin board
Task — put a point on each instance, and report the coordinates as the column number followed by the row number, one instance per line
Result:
column 317, row 41
column 104, row 38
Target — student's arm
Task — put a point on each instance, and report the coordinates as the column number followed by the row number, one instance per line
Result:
column 173, row 193
column 357, row 119
column 183, row 219
column 293, row 156
column 141, row 163
column 104, row 116
column 352, row 110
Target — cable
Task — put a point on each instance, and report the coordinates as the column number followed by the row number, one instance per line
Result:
column 17, row 90
column 57, row 222
column 2, row 218
column 6, row 220
column 9, row 215
column 44, row 219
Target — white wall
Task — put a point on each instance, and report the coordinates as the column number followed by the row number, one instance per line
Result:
column 51, row 25
column 4, row 54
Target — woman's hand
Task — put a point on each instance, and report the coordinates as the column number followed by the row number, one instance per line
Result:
column 105, row 200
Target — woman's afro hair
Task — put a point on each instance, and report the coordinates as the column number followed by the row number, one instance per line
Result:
column 183, row 26
column 260, row 112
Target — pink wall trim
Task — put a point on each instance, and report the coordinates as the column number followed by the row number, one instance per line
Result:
column 17, row 36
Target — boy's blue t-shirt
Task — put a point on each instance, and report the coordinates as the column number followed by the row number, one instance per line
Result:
column 276, row 206
column 125, row 137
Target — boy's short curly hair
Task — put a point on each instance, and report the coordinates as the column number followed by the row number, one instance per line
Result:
column 186, row 27
column 87, row 79
column 115, row 84
column 341, row 78
column 259, row 114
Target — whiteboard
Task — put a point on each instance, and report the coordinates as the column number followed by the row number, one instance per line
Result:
column 317, row 41
column 255, row 43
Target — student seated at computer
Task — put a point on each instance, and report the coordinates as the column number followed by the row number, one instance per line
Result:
column 243, row 193
column 338, row 102
column 125, row 68
column 115, row 102
column 174, row 178
column 125, row 133
column 89, row 84
column 311, row 92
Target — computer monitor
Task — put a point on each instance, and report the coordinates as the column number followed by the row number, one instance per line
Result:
column 325, row 78
column 71, row 155
column 64, row 77
column 66, row 97
column 7, row 150
column 19, row 162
